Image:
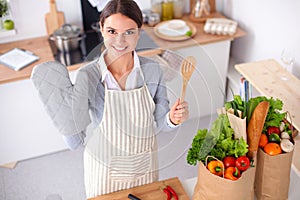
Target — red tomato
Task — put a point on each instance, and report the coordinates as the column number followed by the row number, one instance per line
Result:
column 229, row 161
column 242, row 163
column 273, row 129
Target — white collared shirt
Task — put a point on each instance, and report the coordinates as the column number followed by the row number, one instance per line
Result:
column 108, row 78
column 131, row 81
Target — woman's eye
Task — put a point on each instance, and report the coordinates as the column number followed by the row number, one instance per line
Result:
column 129, row 32
column 113, row 32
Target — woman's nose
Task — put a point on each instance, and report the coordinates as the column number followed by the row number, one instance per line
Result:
column 120, row 37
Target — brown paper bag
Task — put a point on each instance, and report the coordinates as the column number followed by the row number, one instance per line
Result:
column 212, row 187
column 272, row 178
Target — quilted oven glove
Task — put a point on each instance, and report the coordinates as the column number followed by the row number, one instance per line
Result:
column 66, row 103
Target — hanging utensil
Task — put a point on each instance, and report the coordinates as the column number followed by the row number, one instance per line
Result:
column 187, row 69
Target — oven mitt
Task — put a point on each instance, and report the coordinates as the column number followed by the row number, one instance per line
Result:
column 65, row 103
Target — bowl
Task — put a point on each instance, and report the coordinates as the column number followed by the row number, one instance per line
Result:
column 176, row 24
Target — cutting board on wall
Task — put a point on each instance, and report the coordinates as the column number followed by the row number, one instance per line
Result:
column 54, row 19
column 150, row 191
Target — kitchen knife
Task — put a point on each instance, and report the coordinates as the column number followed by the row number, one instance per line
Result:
column 131, row 196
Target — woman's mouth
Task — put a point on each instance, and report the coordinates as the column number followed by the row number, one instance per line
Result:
column 119, row 48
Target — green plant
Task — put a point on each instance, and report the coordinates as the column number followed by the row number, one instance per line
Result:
column 3, row 8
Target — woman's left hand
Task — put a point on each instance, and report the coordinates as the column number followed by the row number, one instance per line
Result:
column 179, row 112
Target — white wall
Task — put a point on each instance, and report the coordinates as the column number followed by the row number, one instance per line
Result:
column 29, row 15
column 271, row 25
column 30, row 21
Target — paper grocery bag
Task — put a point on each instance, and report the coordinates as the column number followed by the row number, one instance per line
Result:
column 212, row 187
column 272, row 178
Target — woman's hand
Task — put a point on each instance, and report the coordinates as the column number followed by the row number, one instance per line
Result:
column 179, row 112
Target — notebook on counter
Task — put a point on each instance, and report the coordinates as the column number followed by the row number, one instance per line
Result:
column 17, row 59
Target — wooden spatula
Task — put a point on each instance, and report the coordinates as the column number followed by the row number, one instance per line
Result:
column 54, row 19
column 187, row 69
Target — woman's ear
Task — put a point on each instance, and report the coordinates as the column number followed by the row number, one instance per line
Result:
column 101, row 28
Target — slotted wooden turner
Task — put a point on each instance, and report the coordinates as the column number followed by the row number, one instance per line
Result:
column 187, row 69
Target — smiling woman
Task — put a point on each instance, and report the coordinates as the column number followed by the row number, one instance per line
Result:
column 125, row 97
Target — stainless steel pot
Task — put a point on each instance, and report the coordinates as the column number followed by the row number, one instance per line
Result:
column 67, row 38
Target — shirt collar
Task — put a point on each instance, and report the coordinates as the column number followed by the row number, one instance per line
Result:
column 105, row 71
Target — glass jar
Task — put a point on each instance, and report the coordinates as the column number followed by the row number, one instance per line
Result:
column 167, row 10
column 178, row 7
column 200, row 9
column 156, row 6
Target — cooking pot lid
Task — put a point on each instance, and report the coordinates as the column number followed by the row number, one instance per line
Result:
column 67, row 31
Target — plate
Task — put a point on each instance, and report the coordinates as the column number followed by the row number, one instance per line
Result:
column 174, row 30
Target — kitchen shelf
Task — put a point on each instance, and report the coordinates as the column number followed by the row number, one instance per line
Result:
column 265, row 76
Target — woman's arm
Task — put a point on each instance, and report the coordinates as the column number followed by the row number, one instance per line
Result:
column 74, row 141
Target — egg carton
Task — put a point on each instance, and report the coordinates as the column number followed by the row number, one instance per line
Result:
column 220, row 26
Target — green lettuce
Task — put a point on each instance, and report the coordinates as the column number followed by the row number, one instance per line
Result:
column 218, row 142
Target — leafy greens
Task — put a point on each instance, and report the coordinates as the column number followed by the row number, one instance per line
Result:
column 218, row 142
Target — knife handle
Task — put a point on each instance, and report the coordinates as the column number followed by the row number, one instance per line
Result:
column 132, row 197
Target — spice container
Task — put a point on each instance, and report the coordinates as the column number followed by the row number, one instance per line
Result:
column 178, row 8
column 146, row 14
column 153, row 19
column 156, row 6
column 167, row 10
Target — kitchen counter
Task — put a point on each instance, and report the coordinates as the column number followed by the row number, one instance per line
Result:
column 265, row 76
column 200, row 38
column 41, row 48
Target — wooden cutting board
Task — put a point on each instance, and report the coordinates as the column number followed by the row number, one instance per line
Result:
column 54, row 19
column 148, row 192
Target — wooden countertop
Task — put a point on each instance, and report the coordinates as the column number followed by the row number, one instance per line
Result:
column 265, row 76
column 41, row 48
column 200, row 38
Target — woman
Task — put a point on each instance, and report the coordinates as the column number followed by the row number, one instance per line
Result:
column 126, row 98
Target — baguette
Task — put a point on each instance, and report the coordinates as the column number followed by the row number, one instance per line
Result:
column 255, row 127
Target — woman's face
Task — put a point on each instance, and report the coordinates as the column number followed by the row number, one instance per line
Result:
column 120, row 34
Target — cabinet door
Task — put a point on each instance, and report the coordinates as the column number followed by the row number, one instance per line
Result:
column 26, row 131
column 206, row 88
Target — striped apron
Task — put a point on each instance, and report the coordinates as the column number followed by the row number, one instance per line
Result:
column 122, row 151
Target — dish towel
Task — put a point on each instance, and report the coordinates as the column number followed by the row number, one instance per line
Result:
column 99, row 4
column 170, row 62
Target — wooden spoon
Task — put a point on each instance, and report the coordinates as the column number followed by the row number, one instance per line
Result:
column 187, row 69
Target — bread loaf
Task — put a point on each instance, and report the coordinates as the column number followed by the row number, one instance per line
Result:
column 255, row 127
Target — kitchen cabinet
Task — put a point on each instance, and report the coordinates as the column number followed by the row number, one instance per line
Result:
column 26, row 130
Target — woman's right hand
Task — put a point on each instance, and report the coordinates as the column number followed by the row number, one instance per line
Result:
column 179, row 112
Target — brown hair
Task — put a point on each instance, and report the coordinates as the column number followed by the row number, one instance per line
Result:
column 128, row 8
